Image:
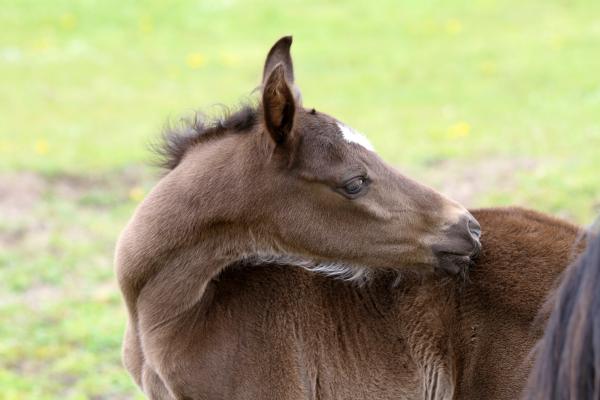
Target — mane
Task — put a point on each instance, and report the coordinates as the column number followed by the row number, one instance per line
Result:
column 178, row 138
column 567, row 362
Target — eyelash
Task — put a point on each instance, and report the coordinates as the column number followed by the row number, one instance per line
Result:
column 364, row 182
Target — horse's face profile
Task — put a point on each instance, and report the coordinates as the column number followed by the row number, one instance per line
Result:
column 304, row 186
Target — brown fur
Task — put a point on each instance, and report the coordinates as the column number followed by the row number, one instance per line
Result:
column 206, row 321
column 280, row 332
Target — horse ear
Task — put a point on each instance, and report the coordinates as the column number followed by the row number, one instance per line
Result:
column 280, row 54
column 278, row 105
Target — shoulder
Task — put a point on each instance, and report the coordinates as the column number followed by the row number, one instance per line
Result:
column 523, row 254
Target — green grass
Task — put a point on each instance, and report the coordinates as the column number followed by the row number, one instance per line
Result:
column 500, row 95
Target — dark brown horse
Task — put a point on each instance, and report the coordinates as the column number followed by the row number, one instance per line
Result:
column 218, row 308
column 567, row 363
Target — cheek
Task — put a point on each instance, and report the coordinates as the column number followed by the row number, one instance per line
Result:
column 318, row 210
column 376, row 205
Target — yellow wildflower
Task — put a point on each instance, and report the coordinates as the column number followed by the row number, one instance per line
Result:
column 459, row 130
column 67, row 21
column 454, row 26
column 487, row 68
column 145, row 24
column 195, row 60
column 42, row 44
column 41, row 147
column 136, row 194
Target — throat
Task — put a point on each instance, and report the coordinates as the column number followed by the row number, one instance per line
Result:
column 336, row 270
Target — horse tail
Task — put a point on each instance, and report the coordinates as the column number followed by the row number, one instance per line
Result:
column 567, row 363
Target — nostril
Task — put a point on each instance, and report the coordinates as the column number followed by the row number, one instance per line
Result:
column 474, row 228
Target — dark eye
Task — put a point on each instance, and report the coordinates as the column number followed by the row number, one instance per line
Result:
column 355, row 186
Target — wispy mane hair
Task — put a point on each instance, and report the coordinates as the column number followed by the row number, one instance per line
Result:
column 567, row 364
column 177, row 138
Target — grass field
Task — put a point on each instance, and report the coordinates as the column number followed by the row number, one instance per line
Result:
column 494, row 102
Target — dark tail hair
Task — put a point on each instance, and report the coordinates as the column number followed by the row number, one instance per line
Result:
column 567, row 363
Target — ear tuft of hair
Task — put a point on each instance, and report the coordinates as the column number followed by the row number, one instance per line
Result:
column 278, row 104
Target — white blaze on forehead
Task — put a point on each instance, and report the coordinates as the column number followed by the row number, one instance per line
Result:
column 352, row 136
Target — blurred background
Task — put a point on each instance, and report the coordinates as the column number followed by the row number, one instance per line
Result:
column 493, row 102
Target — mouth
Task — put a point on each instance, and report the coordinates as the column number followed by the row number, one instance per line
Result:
column 453, row 263
column 459, row 246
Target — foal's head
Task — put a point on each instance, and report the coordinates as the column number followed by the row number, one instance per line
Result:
column 298, row 183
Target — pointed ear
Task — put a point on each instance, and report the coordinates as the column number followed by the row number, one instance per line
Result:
column 280, row 54
column 278, row 105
